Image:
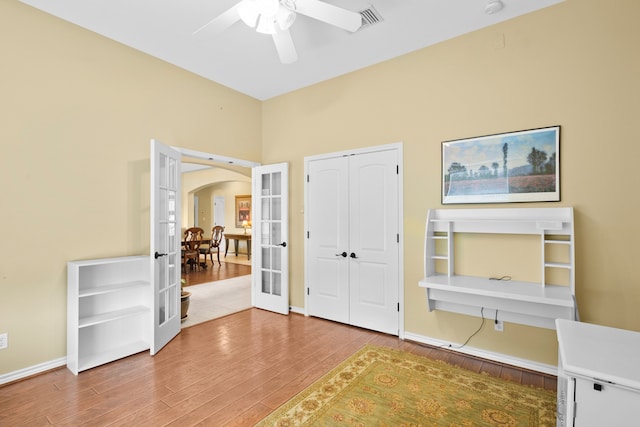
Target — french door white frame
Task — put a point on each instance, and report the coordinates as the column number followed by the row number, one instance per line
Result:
column 270, row 216
column 394, row 146
column 164, row 261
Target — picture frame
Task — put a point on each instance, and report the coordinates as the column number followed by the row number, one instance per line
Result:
column 243, row 209
column 521, row 166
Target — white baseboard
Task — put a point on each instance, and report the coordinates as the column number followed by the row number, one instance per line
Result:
column 484, row 354
column 32, row 370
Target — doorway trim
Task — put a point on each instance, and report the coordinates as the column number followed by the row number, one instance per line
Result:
column 398, row 146
column 215, row 157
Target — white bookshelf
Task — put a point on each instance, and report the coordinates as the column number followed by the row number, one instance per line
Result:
column 530, row 303
column 108, row 315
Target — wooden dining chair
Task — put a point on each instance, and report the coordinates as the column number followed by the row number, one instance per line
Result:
column 214, row 244
column 191, row 247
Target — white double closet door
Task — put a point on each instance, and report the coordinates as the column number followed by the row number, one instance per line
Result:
column 353, row 239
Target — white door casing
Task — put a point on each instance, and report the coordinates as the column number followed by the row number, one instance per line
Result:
column 270, row 234
column 165, row 247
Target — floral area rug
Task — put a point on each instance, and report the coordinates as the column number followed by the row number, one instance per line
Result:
column 379, row 386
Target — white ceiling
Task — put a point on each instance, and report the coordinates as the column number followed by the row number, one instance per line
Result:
column 247, row 61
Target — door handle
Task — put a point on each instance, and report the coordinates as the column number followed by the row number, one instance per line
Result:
column 343, row 254
column 158, row 255
column 353, row 255
column 283, row 244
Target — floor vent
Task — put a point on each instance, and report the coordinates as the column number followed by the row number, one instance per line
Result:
column 370, row 16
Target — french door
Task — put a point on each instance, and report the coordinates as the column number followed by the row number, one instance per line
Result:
column 165, row 253
column 270, row 229
column 353, row 239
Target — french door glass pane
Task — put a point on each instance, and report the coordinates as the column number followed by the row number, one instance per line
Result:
column 276, row 286
column 171, row 207
column 277, row 259
column 162, row 306
column 276, row 208
column 162, row 170
column 172, row 268
column 266, row 258
column 171, row 231
column 264, row 239
column 173, row 173
column 163, row 241
column 266, row 185
column 276, row 180
column 266, row 282
column 172, row 300
column 163, row 204
column 266, row 211
column 162, row 272
column 276, row 228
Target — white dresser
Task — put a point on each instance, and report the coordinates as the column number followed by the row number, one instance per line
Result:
column 598, row 375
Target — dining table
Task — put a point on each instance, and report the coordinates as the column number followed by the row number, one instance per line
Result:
column 236, row 241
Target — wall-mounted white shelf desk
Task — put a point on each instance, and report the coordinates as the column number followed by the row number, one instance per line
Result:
column 598, row 375
column 529, row 303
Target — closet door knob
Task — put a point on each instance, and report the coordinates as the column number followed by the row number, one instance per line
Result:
column 353, row 255
column 343, row 254
column 158, row 255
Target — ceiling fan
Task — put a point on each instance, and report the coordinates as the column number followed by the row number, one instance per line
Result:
column 275, row 17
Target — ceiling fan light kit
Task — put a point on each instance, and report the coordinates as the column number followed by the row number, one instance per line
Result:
column 248, row 13
column 493, row 6
column 275, row 17
column 285, row 18
column 267, row 13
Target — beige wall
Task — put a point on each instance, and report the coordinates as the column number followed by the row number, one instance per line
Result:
column 210, row 183
column 229, row 190
column 575, row 65
column 78, row 112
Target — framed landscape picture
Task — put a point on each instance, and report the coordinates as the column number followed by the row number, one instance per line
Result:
column 522, row 166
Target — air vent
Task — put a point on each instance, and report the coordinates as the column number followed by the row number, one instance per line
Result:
column 370, row 16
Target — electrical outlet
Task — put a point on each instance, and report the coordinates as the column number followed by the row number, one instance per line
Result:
column 499, row 325
column 4, row 341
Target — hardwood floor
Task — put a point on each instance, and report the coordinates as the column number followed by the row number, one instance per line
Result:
column 231, row 371
column 227, row 270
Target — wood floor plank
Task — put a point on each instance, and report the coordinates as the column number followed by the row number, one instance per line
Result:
column 35, row 405
column 140, row 416
column 491, row 368
column 227, row 270
column 510, row 373
column 248, row 418
column 230, row 371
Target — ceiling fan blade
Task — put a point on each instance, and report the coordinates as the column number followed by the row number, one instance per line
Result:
column 285, row 47
column 330, row 14
column 219, row 23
